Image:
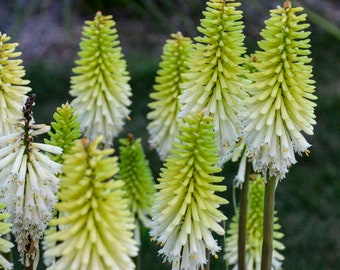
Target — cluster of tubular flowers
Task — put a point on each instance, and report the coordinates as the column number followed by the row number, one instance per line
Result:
column 254, row 231
column 66, row 131
column 12, row 86
column 95, row 226
column 27, row 182
column 280, row 105
column 5, row 245
column 137, row 176
column 165, row 105
column 214, row 78
column 100, row 84
column 185, row 213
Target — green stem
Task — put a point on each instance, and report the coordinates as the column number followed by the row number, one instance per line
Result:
column 242, row 220
column 207, row 266
column 31, row 255
column 225, row 242
column 268, row 224
column 137, row 259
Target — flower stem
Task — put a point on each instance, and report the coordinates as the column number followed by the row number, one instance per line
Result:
column 268, row 223
column 207, row 266
column 137, row 259
column 242, row 224
column 29, row 256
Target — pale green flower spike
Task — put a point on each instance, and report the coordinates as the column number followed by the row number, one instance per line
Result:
column 214, row 79
column 254, row 231
column 66, row 130
column 137, row 175
column 165, row 107
column 5, row 246
column 100, row 84
column 28, row 183
column 95, row 224
column 280, row 106
column 12, row 87
column 186, row 207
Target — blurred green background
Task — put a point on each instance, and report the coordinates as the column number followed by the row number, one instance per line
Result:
column 308, row 200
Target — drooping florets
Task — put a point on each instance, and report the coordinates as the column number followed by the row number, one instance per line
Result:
column 214, row 80
column 28, row 182
column 280, row 105
column 100, row 84
column 186, row 212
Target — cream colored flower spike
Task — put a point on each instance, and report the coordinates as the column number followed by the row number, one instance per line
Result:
column 215, row 77
column 165, row 105
column 28, row 182
column 95, row 226
column 100, row 84
column 186, row 213
column 280, row 105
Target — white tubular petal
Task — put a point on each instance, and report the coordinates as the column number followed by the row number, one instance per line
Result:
column 46, row 162
column 48, row 148
column 41, row 129
column 239, row 179
column 6, row 162
column 10, row 138
column 18, row 160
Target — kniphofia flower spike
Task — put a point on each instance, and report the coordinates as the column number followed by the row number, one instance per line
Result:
column 280, row 105
column 95, row 225
column 28, row 182
column 214, row 79
column 100, row 84
column 186, row 212
column 165, row 105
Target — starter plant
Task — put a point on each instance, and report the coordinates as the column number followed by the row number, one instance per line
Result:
column 88, row 204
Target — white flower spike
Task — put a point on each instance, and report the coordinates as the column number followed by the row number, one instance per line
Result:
column 280, row 105
column 28, row 183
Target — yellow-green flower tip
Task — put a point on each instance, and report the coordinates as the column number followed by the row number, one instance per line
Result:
column 214, row 79
column 95, row 225
column 100, row 84
column 165, row 107
column 186, row 207
column 280, row 106
column 66, row 130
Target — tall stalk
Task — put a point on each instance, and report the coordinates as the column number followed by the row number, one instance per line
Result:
column 268, row 224
column 242, row 224
column 207, row 265
column 137, row 259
